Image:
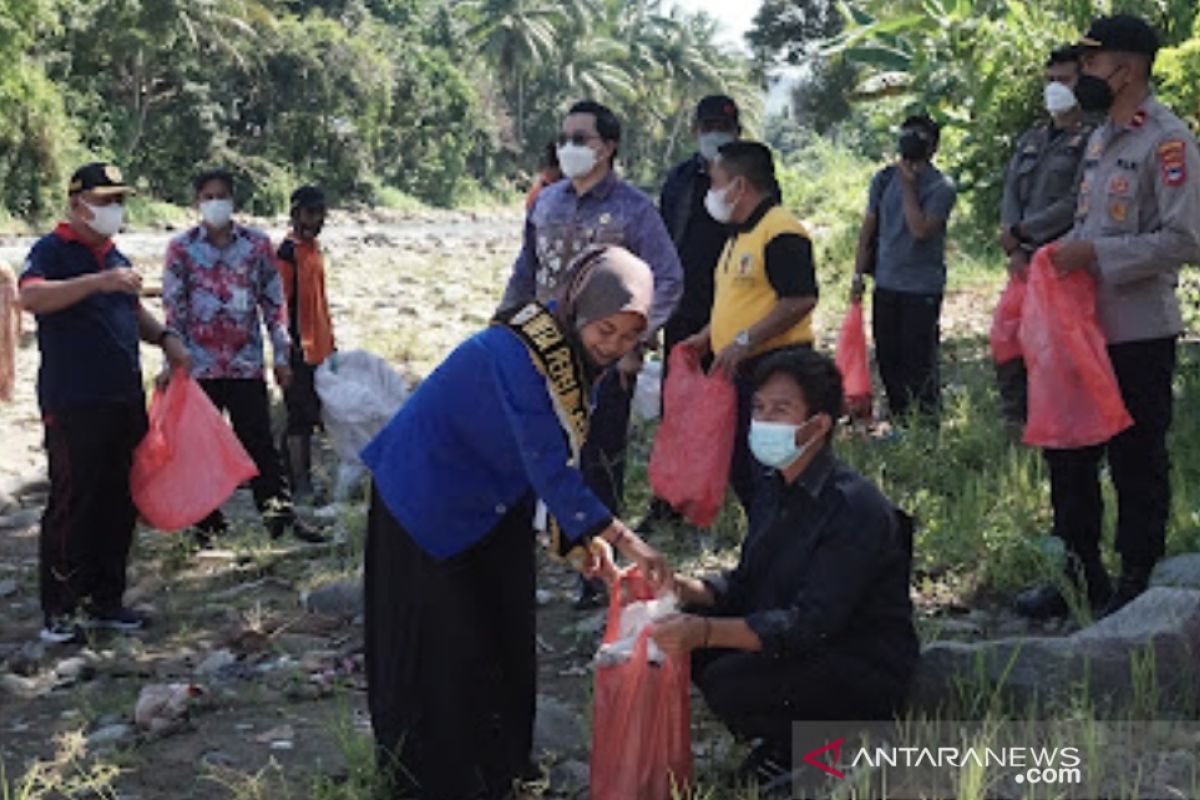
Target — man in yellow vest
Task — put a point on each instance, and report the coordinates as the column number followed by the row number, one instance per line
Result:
column 766, row 286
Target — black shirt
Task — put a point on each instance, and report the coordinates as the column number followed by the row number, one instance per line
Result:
column 826, row 566
column 698, row 237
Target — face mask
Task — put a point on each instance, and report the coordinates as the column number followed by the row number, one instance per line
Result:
column 1094, row 93
column 216, row 213
column 106, row 220
column 711, row 142
column 1059, row 98
column 912, row 146
column 774, row 443
column 576, row 160
column 716, row 203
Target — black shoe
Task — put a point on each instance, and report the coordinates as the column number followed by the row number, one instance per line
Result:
column 1133, row 581
column 118, row 619
column 592, row 594
column 211, row 527
column 1042, row 602
column 769, row 767
column 300, row 530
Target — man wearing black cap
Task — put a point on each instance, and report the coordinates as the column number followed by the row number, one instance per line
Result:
column 84, row 293
column 1137, row 222
column 697, row 236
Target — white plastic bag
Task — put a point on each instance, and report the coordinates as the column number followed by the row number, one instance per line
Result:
column 634, row 619
column 647, row 395
column 359, row 393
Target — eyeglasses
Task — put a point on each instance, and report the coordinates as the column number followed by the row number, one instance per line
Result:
column 577, row 139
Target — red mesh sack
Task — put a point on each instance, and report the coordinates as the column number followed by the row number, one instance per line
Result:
column 1006, row 322
column 1074, row 398
column 689, row 464
column 641, row 717
column 189, row 462
column 851, row 359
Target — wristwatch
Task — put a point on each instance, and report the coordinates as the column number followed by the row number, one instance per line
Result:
column 742, row 338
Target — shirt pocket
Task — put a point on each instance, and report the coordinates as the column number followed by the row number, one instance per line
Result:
column 608, row 228
column 1120, row 192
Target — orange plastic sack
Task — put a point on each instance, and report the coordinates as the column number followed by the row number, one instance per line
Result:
column 641, row 715
column 851, row 358
column 1074, row 398
column 689, row 464
column 189, row 462
column 1006, row 322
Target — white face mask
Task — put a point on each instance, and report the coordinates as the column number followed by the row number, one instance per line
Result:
column 106, row 220
column 576, row 160
column 774, row 443
column 1059, row 98
column 712, row 142
column 716, row 202
column 216, row 213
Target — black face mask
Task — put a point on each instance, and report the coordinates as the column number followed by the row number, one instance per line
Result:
column 1094, row 93
column 913, row 146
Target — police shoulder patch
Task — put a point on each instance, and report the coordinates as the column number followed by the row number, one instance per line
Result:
column 1172, row 160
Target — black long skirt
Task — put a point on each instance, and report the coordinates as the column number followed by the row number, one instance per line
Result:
column 450, row 658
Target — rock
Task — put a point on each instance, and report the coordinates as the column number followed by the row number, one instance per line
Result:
column 215, row 661
column 1181, row 572
column 339, row 599
column 73, row 670
column 278, row 734
column 7, row 502
column 1041, row 672
column 19, row 520
column 592, row 625
column 959, row 629
column 22, row 687
column 569, row 777
column 544, row 597
column 28, row 660
column 558, row 726
column 217, row 758
column 8, row 587
column 110, row 736
column 162, row 707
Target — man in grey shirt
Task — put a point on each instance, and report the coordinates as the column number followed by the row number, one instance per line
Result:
column 902, row 241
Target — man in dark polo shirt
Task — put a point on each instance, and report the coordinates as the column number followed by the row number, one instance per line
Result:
column 84, row 294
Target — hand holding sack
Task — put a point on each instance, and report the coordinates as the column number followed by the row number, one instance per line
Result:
column 189, row 462
column 1074, row 398
column 1006, row 322
column 689, row 464
column 641, row 718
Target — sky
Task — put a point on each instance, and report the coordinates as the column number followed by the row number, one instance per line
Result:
column 735, row 15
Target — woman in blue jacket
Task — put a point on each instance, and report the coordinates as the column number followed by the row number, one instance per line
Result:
column 450, row 569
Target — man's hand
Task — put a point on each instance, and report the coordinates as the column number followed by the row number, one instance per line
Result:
column 909, row 170
column 1018, row 264
column 283, row 376
column 700, row 344
column 1070, row 256
column 1008, row 242
column 858, row 285
column 729, row 359
column 120, row 279
column 628, row 368
column 177, row 354
column 680, row 634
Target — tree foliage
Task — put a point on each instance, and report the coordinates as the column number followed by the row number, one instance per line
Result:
column 434, row 98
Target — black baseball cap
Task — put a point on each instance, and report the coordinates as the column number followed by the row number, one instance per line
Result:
column 1123, row 33
column 717, row 107
column 101, row 178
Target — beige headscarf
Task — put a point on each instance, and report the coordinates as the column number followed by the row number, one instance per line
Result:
column 606, row 280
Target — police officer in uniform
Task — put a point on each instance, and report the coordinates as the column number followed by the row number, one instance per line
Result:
column 1039, row 195
column 1137, row 222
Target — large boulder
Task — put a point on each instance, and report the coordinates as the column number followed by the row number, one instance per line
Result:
column 1180, row 572
column 1111, row 659
column 338, row 599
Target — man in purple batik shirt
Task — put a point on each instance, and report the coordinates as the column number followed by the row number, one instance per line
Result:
column 591, row 206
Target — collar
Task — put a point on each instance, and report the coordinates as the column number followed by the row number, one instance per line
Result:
column 812, row 481
column 202, row 232
column 602, row 189
column 756, row 217
column 66, row 233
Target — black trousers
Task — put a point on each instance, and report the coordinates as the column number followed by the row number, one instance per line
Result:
column 1137, row 458
column 249, row 409
column 301, row 401
column 87, row 527
column 603, row 456
column 450, row 658
column 758, row 696
column 1011, row 380
column 907, row 339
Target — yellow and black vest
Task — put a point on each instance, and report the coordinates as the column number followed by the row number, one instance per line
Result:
column 744, row 294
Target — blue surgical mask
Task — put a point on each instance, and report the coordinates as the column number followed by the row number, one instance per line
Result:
column 774, row 443
column 710, row 143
